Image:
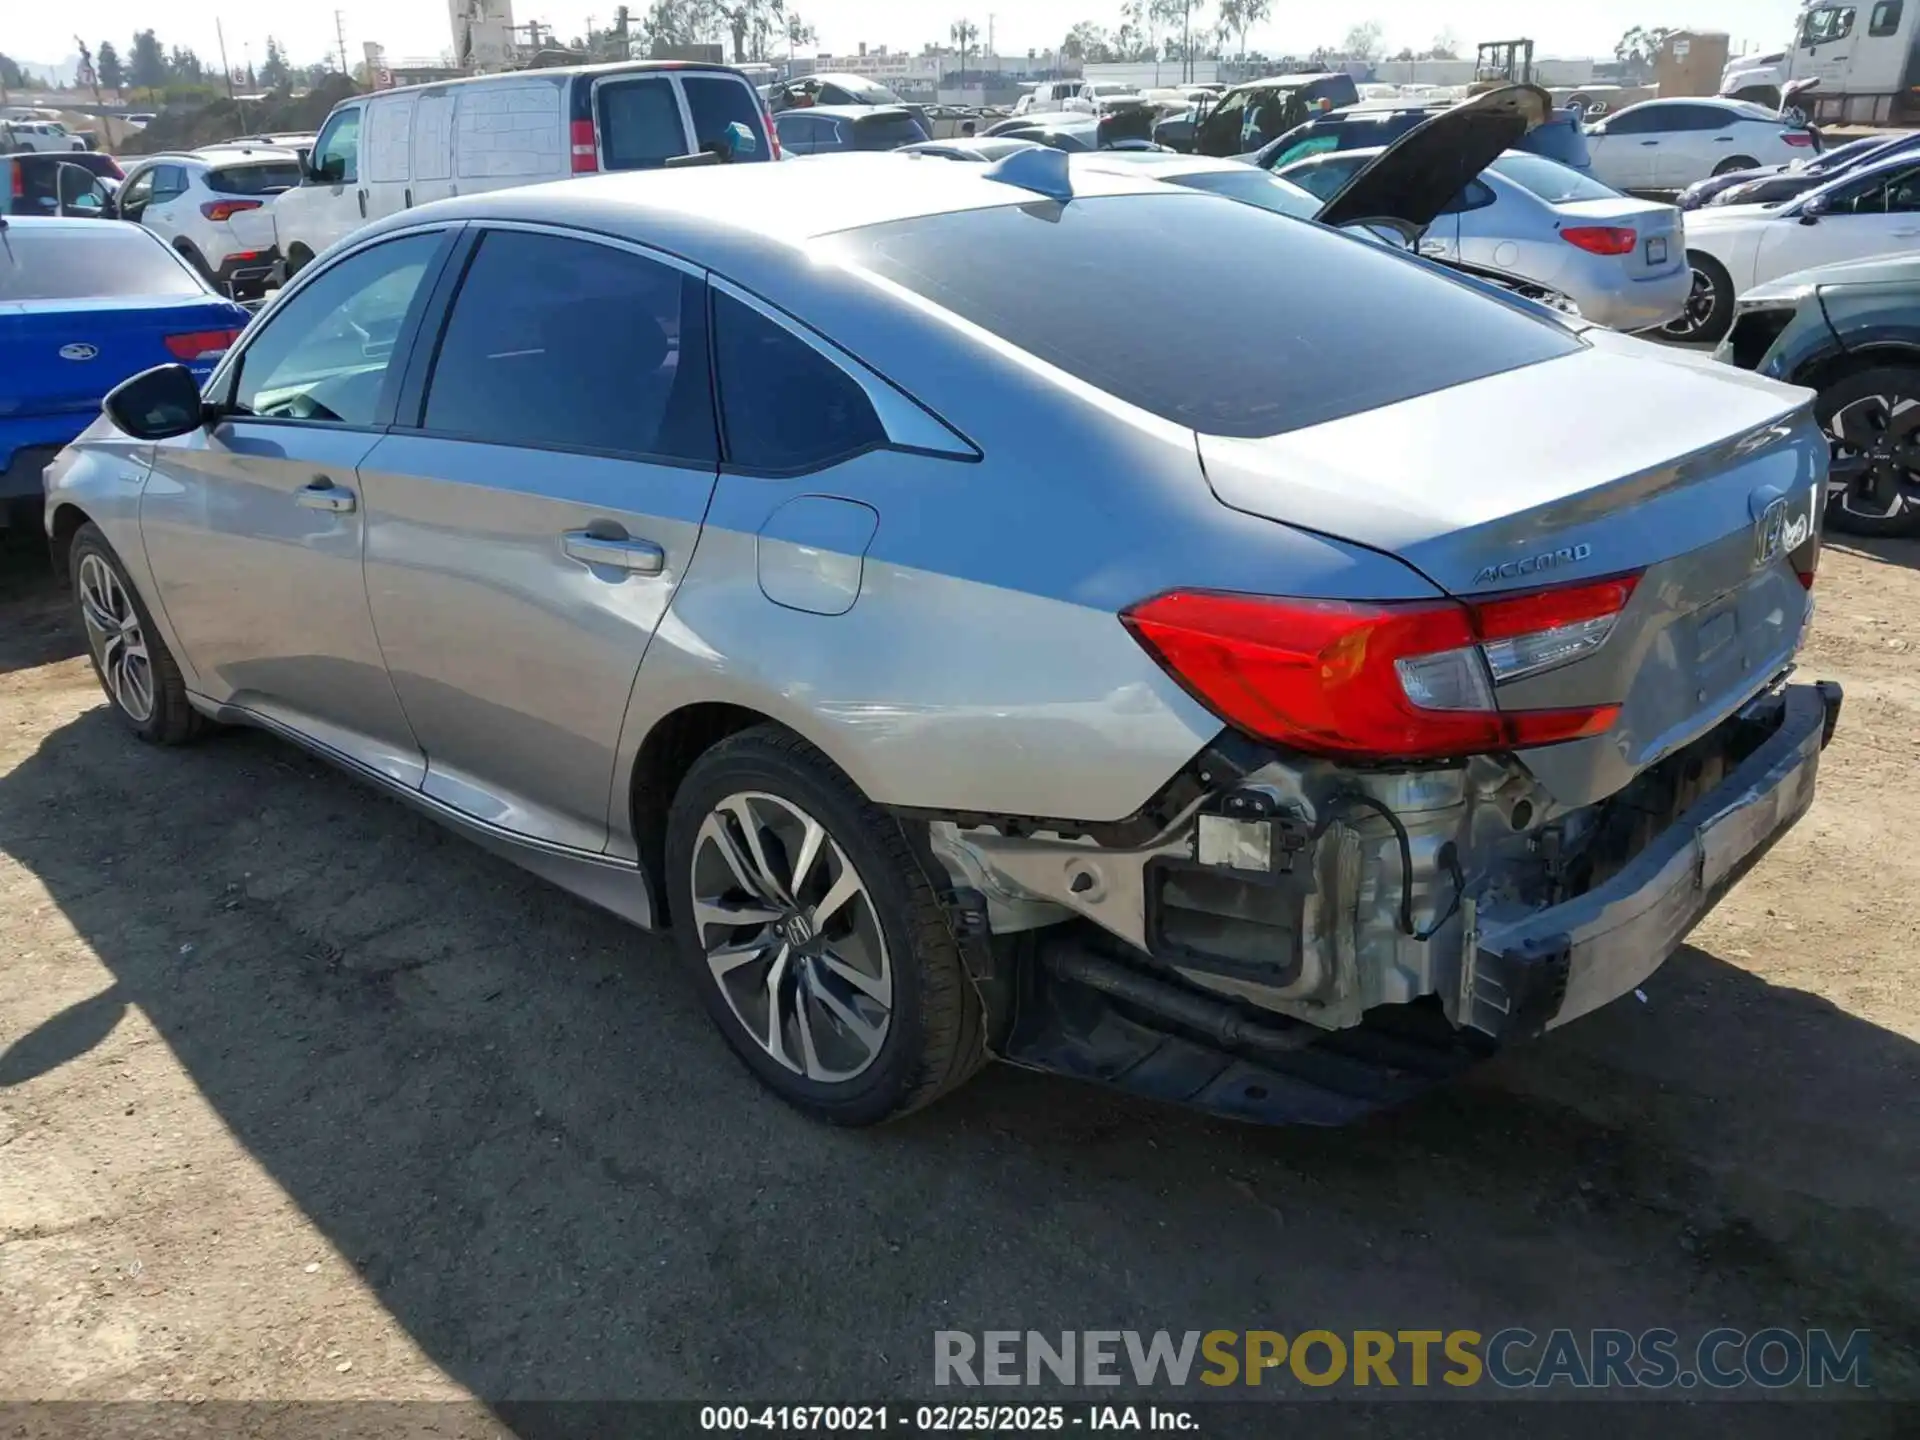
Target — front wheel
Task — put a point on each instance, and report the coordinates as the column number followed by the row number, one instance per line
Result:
column 814, row 934
column 1709, row 310
column 136, row 669
column 1872, row 420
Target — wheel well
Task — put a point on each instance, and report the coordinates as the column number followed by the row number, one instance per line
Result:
column 1832, row 368
column 67, row 520
column 671, row 747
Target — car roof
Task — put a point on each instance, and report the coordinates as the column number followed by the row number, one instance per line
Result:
column 1158, row 164
column 752, row 205
column 612, row 67
column 845, row 112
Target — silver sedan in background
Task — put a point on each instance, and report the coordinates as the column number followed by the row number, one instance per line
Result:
column 1622, row 261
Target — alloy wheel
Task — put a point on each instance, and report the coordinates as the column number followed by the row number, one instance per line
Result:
column 1875, row 473
column 1691, row 322
column 791, row 936
column 119, row 645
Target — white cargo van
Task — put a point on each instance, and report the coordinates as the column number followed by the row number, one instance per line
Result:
column 394, row 149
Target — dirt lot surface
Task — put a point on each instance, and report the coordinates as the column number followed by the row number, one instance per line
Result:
column 301, row 1097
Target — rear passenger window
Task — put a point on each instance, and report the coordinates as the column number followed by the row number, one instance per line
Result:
column 640, row 125
column 563, row 344
column 717, row 101
column 784, row 405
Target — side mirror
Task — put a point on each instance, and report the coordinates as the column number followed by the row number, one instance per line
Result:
column 1811, row 212
column 157, row 404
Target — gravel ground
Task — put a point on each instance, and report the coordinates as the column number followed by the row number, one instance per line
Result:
column 303, row 1098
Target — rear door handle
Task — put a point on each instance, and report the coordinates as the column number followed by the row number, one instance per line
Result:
column 323, row 494
column 363, row 204
column 637, row 557
column 1649, row 142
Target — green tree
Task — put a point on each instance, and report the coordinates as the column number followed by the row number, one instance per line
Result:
column 1640, row 45
column 799, row 33
column 274, row 70
column 1363, row 41
column 147, row 62
column 1242, row 15
column 963, row 33
column 1446, row 46
column 185, row 65
column 1087, row 43
column 107, row 66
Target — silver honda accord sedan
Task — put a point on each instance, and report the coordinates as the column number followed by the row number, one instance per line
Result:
column 977, row 622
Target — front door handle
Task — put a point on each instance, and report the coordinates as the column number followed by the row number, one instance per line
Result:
column 1649, row 142
column 323, row 494
column 637, row 557
column 363, row 204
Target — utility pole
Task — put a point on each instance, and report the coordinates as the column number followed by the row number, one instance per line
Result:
column 340, row 34
column 224, row 66
column 990, row 50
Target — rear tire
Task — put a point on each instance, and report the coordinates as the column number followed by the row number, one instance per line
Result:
column 1709, row 312
column 298, row 258
column 1872, row 420
column 842, row 987
column 1738, row 162
column 134, row 666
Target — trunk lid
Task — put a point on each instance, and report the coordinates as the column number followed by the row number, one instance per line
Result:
column 62, row 356
column 1530, row 479
column 1416, row 177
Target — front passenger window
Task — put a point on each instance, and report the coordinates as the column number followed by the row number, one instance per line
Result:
column 324, row 356
column 336, row 155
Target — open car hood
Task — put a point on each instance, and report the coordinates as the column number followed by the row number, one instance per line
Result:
column 1409, row 183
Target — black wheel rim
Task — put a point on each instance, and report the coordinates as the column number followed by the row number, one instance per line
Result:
column 1875, row 474
column 1702, row 301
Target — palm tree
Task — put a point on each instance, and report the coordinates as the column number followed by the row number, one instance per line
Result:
column 963, row 33
column 799, row 33
column 1243, row 15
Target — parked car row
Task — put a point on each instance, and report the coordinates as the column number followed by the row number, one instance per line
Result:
column 676, row 534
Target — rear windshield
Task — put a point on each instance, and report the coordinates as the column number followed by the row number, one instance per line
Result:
column 887, row 132
column 1235, row 322
column 717, row 101
column 269, row 179
column 639, row 124
column 1550, row 180
column 89, row 259
column 1253, row 187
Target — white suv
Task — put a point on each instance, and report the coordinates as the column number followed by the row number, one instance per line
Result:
column 189, row 200
column 19, row 135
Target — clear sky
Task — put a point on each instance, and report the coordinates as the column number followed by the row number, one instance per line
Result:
column 36, row 31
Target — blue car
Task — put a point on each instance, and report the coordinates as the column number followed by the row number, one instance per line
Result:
column 84, row 305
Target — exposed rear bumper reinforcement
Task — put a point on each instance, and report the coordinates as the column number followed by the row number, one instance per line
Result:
column 1533, row 970
column 1091, row 1009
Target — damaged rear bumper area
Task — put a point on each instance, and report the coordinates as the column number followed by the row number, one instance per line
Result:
column 1528, row 972
column 1092, row 1001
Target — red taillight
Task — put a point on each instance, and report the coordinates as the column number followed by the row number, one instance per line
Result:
column 1799, row 139
column 221, row 209
column 773, row 134
column 1602, row 239
column 201, row 344
column 1409, row 680
column 586, row 158
column 19, row 181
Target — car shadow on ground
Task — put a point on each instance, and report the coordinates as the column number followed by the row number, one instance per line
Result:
column 508, row 1112
column 38, row 627
column 1887, row 552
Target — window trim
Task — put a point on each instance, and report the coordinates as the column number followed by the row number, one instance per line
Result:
column 910, row 427
column 220, row 386
column 410, row 410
